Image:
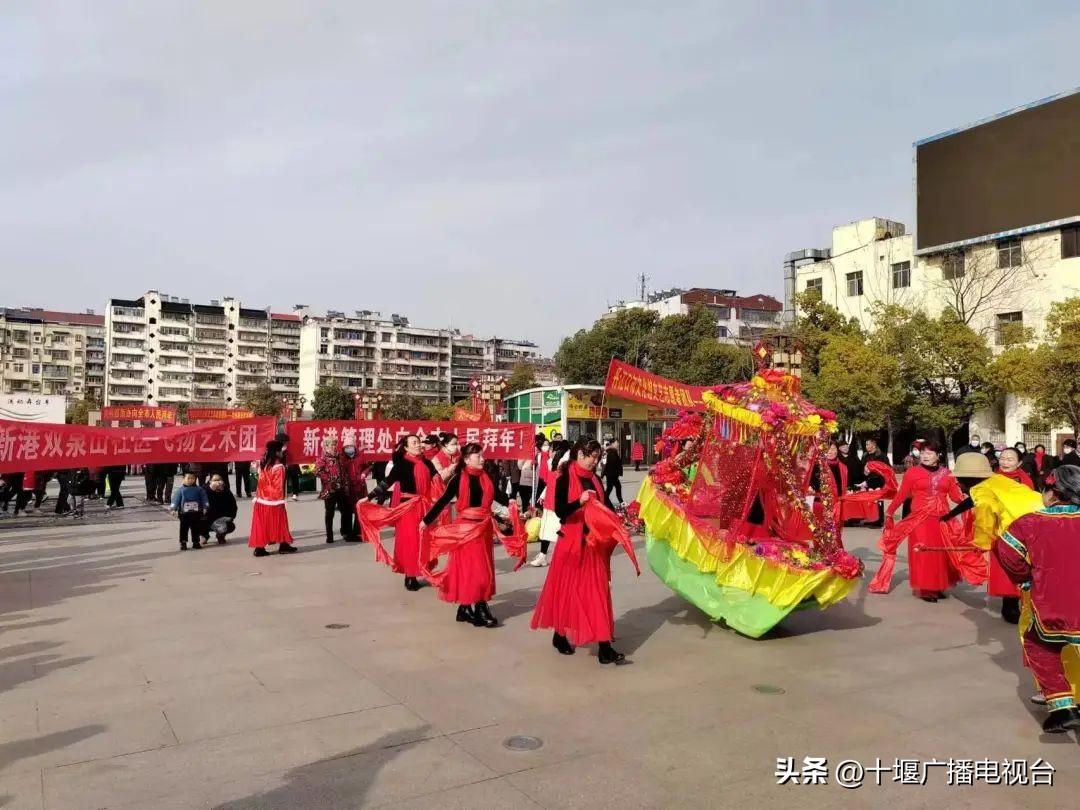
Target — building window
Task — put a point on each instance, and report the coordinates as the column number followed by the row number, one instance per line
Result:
column 1070, row 242
column 901, row 275
column 952, row 266
column 813, row 286
column 1008, row 324
column 854, row 284
column 1009, row 254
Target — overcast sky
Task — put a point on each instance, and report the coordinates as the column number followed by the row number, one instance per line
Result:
column 504, row 167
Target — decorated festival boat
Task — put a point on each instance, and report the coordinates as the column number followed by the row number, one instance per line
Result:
column 731, row 522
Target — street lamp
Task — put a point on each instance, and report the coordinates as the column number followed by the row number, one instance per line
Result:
column 368, row 404
column 302, row 401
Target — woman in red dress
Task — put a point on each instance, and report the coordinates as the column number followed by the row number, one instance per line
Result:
column 469, row 577
column 269, row 521
column 576, row 599
column 412, row 475
column 839, row 472
column 934, row 563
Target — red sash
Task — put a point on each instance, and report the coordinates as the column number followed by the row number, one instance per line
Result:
column 373, row 517
column 606, row 530
column 474, row 525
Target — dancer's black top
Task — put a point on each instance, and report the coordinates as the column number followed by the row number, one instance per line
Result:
column 476, row 496
column 402, row 475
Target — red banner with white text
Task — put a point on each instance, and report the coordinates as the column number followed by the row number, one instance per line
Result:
column 26, row 446
column 215, row 414
column 630, row 382
column 140, row 413
column 376, row 440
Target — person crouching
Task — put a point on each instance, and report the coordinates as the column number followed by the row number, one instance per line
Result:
column 221, row 512
column 189, row 504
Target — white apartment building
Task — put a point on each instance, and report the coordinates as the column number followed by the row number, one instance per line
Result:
column 54, row 353
column 739, row 319
column 367, row 351
column 873, row 261
column 165, row 350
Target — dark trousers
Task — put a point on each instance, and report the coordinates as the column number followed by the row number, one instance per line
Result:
column 292, row 480
column 148, row 477
column 243, row 478
column 6, row 495
column 62, row 504
column 22, row 498
column 637, row 466
column 115, row 480
column 525, row 493
column 99, row 486
column 337, row 501
column 163, row 484
column 613, row 483
column 191, row 525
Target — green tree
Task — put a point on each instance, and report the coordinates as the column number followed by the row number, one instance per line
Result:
column 332, row 402
column 522, row 378
column 438, row 411
column 78, row 412
column 715, row 363
column 815, row 323
column 676, row 338
column 584, row 357
column 1048, row 374
column 947, row 364
column 262, row 400
column 181, row 412
column 402, row 407
column 857, row 381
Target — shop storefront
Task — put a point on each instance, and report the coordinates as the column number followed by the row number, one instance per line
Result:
column 582, row 410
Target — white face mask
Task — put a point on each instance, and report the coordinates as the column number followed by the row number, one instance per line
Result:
column 350, row 451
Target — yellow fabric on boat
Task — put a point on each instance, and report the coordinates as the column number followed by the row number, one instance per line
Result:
column 810, row 426
column 782, row 586
column 998, row 502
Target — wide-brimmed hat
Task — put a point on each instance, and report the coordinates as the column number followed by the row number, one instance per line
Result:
column 972, row 465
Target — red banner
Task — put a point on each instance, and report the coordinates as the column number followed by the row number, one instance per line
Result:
column 26, row 446
column 140, row 413
column 217, row 414
column 630, row 382
column 376, row 440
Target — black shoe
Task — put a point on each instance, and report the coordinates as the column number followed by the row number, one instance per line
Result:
column 329, row 539
column 1062, row 720
column 354, row 539
column 561, row 644
column 183, row 546
column 196, row 544
column 261, row 552
column 929, row 598
column 482, row 616
column 221, row 540
column 464, row 614
column 609, row 655
column 1010, row 609
column 285, row 548
column 412, row 584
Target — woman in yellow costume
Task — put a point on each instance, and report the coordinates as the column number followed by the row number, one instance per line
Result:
column 998, row 501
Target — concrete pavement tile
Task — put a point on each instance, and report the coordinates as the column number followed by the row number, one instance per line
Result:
column 21, row 791
column 564, row 736
column 212, row 771
column 601, row 780
column 491, row 794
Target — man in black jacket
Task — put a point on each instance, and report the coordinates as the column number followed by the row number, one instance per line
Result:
column 613, row 471
column 1068, row 453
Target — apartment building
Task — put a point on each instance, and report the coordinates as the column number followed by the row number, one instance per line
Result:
column 54, row 353
column 367, row 351
column 739, row 319
column 165, row 350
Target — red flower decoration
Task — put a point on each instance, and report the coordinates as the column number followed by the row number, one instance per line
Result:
column 847, row 565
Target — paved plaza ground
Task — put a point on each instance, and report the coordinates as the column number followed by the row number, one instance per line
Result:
column 135, row 676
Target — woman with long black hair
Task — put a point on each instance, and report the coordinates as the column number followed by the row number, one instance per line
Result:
column 469, row 577
column 576, row 600
column 410, row 479
column 269, row 520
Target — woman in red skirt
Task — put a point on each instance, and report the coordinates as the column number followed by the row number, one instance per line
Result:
column 576, row 599
column 935, row 562
column 412, row 475
column 269, row 521
column 469, row 577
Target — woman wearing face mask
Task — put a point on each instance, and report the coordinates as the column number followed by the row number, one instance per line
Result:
column 356, row 471
column 469, row 577
column 445, row 463
column 935, row 562
column 269, row 521
column 576, row 600
column 221, row 512
column 410, row 479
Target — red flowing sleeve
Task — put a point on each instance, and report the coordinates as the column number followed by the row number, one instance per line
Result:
column 956, row 495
